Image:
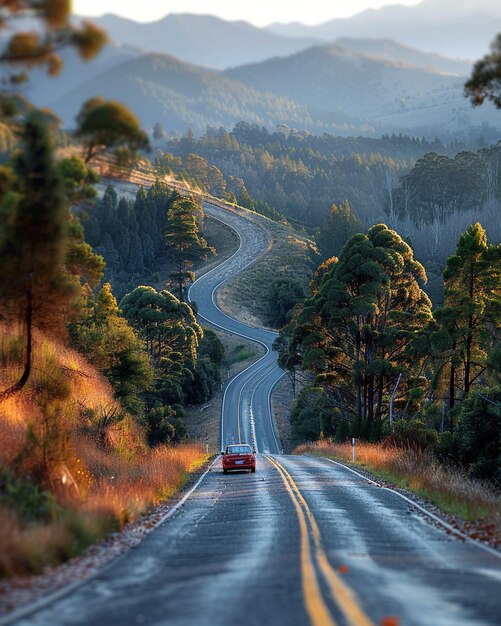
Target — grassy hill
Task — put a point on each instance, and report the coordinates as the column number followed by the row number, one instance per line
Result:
column 98, row 473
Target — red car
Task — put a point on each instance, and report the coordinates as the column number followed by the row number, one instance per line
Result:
column 238, row 456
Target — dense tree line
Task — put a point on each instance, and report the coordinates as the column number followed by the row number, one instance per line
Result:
column 156, row 370
column 295, row 173
column 439, row 187
column 149, row 348
column 136, row 238
column 368, row 335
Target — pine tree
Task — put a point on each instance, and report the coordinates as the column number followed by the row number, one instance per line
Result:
column 35, row 288
column 355, row 331
column 184, row 242
column 115, row 348
column 340, row 225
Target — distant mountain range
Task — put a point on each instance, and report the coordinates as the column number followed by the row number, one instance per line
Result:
column 385, row 94
column 203, row 39
column 160, row 88
column 330, row 78
column 455, row 28
column 357, row 85
column 322, row 89
column 460, row 29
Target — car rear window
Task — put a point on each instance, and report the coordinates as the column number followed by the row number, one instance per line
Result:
column 238, row 450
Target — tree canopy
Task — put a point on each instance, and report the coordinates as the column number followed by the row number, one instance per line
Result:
column 29, row 48
column 107, row 125
column 485, row 81
column 356, row 330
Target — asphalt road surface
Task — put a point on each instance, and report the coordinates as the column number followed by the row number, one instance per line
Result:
column 302, row 541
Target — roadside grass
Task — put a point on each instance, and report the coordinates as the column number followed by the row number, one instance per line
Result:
column 450, row 489
column 67, row 480
column 125, row 490
column 242, row 352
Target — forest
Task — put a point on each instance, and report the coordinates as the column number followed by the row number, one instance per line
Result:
column 429, row 192
column 372, row 346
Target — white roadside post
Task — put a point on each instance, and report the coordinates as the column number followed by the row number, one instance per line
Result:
column 353, row 449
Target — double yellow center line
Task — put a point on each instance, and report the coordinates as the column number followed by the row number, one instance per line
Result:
column 342, row 595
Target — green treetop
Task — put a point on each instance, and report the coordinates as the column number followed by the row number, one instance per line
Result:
column 184, row 241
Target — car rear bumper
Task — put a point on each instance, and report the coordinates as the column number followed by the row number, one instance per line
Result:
column 244, row 466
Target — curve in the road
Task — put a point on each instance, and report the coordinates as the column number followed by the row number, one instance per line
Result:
column 246, row 407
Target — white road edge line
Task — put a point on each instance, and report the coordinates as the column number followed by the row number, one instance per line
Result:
column 434, row 517
column 38, row 605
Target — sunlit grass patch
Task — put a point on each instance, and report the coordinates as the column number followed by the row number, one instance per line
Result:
column 69, row 475
column 448, row 488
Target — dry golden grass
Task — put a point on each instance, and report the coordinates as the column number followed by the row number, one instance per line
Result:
column 449, row 488
column 101, row 480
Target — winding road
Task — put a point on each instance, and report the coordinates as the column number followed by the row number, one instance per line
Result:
column 303, row 541
column 246, row 409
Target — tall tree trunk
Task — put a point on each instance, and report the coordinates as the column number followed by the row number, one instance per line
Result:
column 469, row 338
column 452, row 386
column 358, row 382
column 467, row 365
column 28, row 318
column 181, row 290
column 379, row 406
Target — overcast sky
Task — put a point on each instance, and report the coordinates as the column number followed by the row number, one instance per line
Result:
column 259, row 12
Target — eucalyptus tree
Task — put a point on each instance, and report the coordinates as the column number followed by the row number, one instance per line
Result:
column 469, row 321
column 356, row 330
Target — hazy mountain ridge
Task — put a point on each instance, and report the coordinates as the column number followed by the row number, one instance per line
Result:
column 391, row 50
column 202, row 39
column 76, row 72
column 160, row 88
column 356, row 86
column 453, row 28
column 332, row 78
column 323, row 89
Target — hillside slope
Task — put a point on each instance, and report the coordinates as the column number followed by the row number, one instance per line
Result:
column 160, row 88
column 336, row 80
column 392, row 50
